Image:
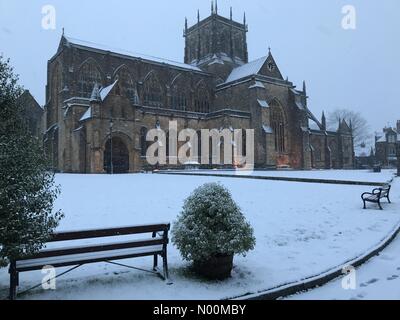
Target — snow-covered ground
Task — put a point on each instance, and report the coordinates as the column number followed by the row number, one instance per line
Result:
column 301, row 229
column 378, row 279
column 345, row 175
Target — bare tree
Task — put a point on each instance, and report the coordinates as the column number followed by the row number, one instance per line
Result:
column 361, row 129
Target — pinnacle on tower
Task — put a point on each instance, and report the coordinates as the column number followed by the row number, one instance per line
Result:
column 340, row 124
column 323, row 121
column 216, row 6
column 304, row 88
column 186, row 28
column 212, row 7
column 231, row 14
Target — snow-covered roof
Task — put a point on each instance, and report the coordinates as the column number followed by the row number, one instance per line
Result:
column 247, row 69
column 263, row 103
column 54, row 126
column 106, row 91
column 216, row 60
column 267, row 129
column 257, row 84
column 382, row 139
column 87, row 114
column 123, row 52
column 296, row 92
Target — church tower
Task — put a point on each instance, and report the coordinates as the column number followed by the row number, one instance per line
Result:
column 216, row 44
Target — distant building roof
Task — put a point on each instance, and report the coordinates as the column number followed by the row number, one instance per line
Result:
column 381, row 139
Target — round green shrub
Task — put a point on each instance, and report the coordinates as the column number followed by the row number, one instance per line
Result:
column 211, row 224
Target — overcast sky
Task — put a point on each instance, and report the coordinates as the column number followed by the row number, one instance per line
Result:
column 356, row 69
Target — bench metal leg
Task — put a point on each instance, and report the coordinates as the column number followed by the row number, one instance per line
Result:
column 365, row 205
column 14, row 279
column 165, row 267
column 388, row 199
column 155, row 264
column 379, row 204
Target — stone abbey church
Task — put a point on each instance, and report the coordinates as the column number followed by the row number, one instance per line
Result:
column 101, row 102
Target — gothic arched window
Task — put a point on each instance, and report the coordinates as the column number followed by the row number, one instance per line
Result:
column 153, row 92
column 89, row 75
column 202, row 100
column 179, row 96
column 317, row 150
column 126, row 84
column 278, row 126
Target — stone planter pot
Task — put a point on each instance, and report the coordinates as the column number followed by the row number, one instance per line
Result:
column 218, row 267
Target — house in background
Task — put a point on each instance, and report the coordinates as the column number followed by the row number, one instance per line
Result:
column 385, row 145
column 364, row 156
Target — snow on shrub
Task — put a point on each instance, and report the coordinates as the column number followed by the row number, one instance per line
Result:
column 211, row 224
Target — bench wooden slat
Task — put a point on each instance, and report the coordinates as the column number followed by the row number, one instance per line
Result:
column 82, row 258
column 47, row 253
column 100, row 233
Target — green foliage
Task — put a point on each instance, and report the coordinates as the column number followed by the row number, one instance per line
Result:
column 27, row 189
column 210, row 224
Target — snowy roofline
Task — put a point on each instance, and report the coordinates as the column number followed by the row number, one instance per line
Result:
column 246, row 70
column 104, row 92
column 104, row 48
column 87, row 115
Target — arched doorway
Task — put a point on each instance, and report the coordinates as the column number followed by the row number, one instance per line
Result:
column 119, row 155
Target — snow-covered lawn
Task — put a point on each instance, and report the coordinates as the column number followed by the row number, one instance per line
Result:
column 345, row 175
column 301, row 229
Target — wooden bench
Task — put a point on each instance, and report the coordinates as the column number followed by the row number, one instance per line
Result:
column 155, row 245
column 376, row 195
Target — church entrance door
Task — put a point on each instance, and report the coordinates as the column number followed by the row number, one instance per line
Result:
column 117, row 152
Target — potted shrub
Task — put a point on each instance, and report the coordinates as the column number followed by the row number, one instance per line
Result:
column 210, row 230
